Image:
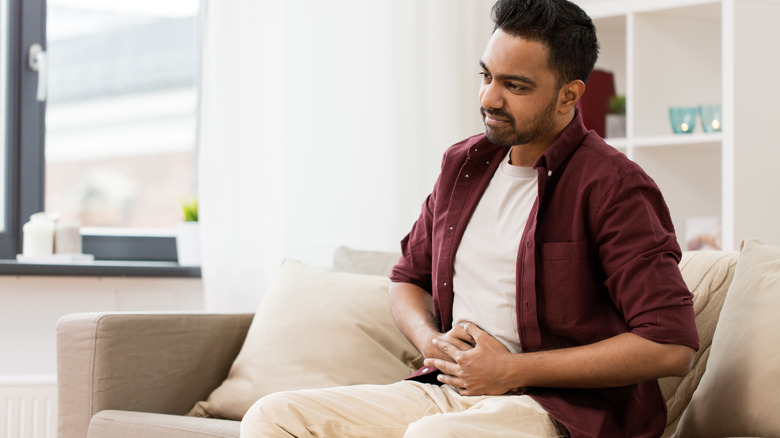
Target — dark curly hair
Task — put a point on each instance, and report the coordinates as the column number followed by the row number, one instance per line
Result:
column 562, row 26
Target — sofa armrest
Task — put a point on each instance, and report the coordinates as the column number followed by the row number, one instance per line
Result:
column 146, row 362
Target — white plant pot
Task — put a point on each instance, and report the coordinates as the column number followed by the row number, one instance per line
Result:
column 616, row 125
column 188, row 243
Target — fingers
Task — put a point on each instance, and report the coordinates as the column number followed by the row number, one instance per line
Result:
column 473, row 331
column 483, row 338
column 448, row 349
column 457, row 343
column 435, row 353
column 449, row 375
column 460, row 338
column 460, row 332
column 454, row 381
column 444, row 366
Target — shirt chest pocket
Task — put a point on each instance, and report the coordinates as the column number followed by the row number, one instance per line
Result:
column 564, row 284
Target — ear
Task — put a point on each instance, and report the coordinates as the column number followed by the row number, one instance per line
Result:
column 570, row 94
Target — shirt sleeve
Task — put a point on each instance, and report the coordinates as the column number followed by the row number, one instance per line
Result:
column 415, row 265
column 640, row 257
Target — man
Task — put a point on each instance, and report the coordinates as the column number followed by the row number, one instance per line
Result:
column 540, row 281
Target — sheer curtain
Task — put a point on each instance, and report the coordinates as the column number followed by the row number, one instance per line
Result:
column 322, row 124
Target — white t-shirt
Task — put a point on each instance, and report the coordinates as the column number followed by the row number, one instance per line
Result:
column 485, row 268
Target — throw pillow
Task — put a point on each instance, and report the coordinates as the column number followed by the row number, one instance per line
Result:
column 708, row 275
column 314, row 329
column 737, row 395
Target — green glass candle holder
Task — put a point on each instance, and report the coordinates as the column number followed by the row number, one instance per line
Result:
column 711, row 118
column 683, row 119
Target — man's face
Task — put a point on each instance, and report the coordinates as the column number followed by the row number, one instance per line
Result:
column 519, row 93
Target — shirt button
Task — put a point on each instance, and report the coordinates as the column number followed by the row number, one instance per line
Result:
column 425, row 370
column 549, row 173
column 445, row 284
column 487, row 162
column 467, row 175
column 450, row 228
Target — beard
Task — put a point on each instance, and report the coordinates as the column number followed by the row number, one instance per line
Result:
column 539, row 126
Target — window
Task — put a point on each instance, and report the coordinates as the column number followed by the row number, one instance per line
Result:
column 114, row 145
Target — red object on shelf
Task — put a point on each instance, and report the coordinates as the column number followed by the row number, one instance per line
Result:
column 594, row 103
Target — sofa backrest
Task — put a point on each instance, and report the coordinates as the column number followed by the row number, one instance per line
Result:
column 708, row 275
column 364, row 262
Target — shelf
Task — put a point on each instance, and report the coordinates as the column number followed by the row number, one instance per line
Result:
column 678, row 139
column 669, row 53
column 101, row 268
column 713, row 139
column 677, row 62
column 618, row 142
column 665, row 54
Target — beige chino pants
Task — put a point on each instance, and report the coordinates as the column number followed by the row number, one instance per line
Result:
column 404, row 409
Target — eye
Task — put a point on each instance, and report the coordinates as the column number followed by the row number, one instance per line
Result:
column 515, row 87
column 485, row 76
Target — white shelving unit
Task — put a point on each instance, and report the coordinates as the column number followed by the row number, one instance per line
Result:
column 667, row 53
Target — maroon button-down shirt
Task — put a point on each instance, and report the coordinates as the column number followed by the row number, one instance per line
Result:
column 598, row 258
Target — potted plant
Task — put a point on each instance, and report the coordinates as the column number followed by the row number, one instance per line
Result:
column 616, row 118
column 188, row 235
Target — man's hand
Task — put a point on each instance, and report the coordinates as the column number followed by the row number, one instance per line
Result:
column 458, row 337
column 478, row 364
column 474, row 367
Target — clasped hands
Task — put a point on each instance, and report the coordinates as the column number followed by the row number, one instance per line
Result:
column 471, row 361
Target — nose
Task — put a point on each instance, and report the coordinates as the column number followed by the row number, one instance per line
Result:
column 490, row 96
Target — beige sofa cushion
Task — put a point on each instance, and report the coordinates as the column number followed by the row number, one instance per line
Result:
column 708, row 275
column 115, row 424
column 737, row 395
column 314, row 329
column 364, row 262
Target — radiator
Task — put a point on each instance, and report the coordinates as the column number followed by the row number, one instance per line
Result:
column 28, row 407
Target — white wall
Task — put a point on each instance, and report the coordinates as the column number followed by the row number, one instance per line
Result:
column 323, row 124
column 30, row 307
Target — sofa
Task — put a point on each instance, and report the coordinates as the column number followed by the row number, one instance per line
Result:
column 195, row 374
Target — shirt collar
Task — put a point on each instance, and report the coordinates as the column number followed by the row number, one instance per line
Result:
column 561, row 149
column 483, row 147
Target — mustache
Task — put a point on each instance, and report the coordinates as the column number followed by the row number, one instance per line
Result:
column 498, row 114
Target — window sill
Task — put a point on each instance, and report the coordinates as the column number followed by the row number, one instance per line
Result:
column 101, row 268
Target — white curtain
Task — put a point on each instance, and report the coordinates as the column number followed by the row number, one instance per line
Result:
column 323, row 124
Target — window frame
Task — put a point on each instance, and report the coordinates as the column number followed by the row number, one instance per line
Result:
column 18, row 80
column 25, row 164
